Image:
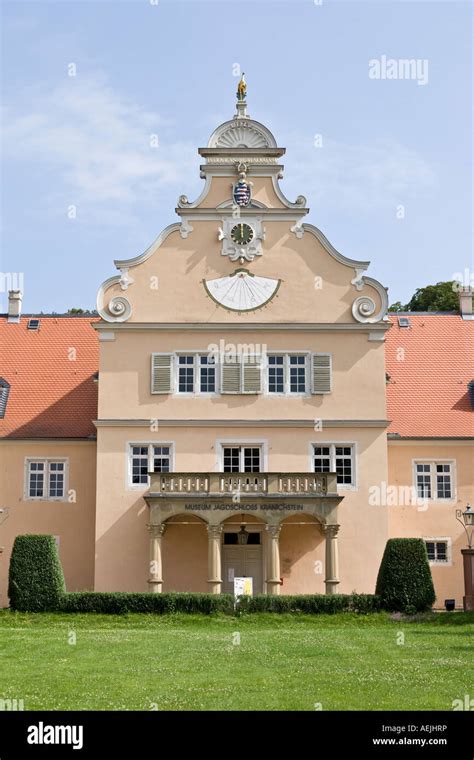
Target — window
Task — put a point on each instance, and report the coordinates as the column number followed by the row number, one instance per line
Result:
column 242, row 458
column 242, row 373
column 46, row 479
column 434, row 480
column 145, row 458
column 338, row 458
column 286, row 373
column 196, row 374
column 437, row 550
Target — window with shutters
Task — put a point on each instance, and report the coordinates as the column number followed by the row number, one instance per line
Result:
column 242, row 458
column 438, row 550
column 196, row 373
column 434, row 480
column 145, row 458
column 321, row 373
column 161, row 373
column 287, row 374
column 338, row 458
column 241, row 374
column 46, row 479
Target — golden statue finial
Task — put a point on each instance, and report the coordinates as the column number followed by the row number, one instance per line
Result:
column 242, row 88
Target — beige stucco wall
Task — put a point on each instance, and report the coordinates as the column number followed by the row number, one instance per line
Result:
column 220, row 191
column 168, row 286
column 438, row 519
column 73, row 521
column 125, row 377
column 122, row 514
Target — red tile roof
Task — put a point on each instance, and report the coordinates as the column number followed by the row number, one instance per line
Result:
column 430, row 365
column 52, row 394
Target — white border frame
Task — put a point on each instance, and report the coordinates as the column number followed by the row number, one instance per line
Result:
column 355, row 461
column 449, row 550
column 47, row 461
column 128, row 462
column 252, row 442
column 430, row 460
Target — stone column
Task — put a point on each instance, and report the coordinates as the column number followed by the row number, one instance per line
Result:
column 332, row 558
column 273, row 559
column 468, row 560
column 155, row 581
column 214, row 571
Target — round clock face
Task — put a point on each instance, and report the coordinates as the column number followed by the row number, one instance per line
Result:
column 242, row 234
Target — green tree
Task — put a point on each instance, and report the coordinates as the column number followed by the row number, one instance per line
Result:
column 444, row 296
column 397, row 306
column 81, row 311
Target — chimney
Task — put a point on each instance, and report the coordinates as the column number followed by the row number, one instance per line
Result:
column 14, row 305
column 465, row 303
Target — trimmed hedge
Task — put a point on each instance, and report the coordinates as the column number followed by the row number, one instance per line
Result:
column 118, row 603
column 404, row 582
column 207, row 604
column 36, row 580
column 311, row 604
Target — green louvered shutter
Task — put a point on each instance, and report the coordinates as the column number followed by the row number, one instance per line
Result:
column 231, row 373
column 252, row 367
column 161, row 365
column 321, row 373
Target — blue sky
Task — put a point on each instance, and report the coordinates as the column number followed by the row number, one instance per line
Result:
column 167, row 69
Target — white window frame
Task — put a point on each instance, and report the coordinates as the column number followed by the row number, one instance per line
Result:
column 196, row 365
column 449, row 555
column 434, row 492
column 241, row 443
column 129, row 456
column 332, row 456
column 47, row 461
column 286, row 374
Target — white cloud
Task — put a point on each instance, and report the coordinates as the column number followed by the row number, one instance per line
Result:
column 357, row 177
column 99, row 145
column 94, row 143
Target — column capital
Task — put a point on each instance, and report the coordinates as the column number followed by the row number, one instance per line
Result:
column 273, row 530
column 330, row 531
column 156, row 530
column 214, row 531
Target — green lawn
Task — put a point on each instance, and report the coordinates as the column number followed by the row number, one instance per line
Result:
column 283, row 662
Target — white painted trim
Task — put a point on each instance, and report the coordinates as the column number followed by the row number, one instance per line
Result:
column 197, row 393
column 286, row 374
column 212, row 327
column 354, row 486
column 244, row 122
column 429, row 460
column 47, row 461
column 300, row 202
column 449, row 550
column 129, row 486
column 240, row 422
column 362, row 265
column 183, row 200
column 220, row 443
column 124, row 263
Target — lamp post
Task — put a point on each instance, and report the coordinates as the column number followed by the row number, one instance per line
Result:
column 466, row 519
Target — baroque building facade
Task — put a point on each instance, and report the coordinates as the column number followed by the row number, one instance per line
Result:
column 226, row 413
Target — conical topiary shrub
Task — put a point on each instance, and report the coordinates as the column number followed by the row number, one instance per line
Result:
column 36, row 580
column 404, row 581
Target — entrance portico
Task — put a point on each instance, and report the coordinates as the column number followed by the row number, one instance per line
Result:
column 269, row 500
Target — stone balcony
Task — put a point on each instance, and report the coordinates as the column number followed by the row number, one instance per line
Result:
column 252, row 484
